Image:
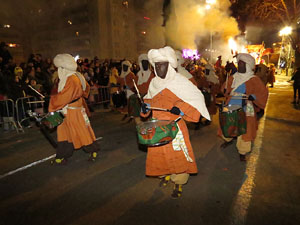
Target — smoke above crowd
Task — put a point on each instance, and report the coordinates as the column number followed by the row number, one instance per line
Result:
column 192, row 23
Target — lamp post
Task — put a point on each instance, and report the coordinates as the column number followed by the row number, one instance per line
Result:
column 284, row 32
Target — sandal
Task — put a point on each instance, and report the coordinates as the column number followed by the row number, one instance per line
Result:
column 93, row 157
column 177, row 192
column 164, row 181
column 59, row 162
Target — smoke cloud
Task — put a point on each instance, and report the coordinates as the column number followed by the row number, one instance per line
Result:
column 191, row 24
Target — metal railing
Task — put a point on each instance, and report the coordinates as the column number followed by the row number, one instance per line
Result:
column 7, row 114
column 27, row 103
column 102, row 97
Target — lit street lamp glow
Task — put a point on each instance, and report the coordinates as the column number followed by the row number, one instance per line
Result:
column 285, row 31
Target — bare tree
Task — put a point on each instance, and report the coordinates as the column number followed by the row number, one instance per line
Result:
column 277, row 13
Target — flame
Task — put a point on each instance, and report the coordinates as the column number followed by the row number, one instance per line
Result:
column 232, row 44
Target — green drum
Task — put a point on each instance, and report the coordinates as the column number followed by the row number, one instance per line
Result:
column 156, row 132
column 233, row 122
column 53, row 119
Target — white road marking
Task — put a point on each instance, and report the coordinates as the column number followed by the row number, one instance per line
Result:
column 32, row 164
column 243, row 198
column 27, row 166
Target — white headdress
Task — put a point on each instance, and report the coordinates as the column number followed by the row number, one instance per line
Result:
column 67, row 66
column 123, row 73
column 240, row 78
column 176, row 83
column 143, row 75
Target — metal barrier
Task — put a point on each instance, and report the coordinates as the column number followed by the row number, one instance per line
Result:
column 103, row 95
column 23, row 105
column 7, row 114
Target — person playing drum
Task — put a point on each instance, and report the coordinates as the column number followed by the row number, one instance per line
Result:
column 247, row 91
column 170, row 90
column 144, row 77
column 75, row 132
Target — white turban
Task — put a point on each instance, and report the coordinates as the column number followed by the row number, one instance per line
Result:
column 125, row 73
column 248, row 59
column 65, row 61
column 240, row 78
column 166, row 54
column 67, row 66
column 143, row 75
column 175, row 82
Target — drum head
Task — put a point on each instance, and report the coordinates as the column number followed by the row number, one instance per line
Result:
column 157, row 132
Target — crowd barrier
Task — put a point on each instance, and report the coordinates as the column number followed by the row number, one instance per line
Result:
column 23, row 105
column 15, row 113
column 7, row 115
column 102, row 96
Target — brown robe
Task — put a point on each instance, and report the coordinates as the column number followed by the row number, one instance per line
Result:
column 253, row 86
column 73, row 129
column 162, row 160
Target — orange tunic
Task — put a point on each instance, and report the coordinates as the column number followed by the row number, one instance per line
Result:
column 253, row 86
column 128, row 80
column 74, row 128
column 162, row 160
column 143, row 88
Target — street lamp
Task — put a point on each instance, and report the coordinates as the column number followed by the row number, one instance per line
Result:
column 284, row 32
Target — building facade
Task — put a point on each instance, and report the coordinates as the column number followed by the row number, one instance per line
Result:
column 109, row 29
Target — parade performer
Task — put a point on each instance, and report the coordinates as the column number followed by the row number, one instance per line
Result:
column 144, row 77
column 262, row 72
column 75, row 132
column 213, row 87
column 170, row 90
column 182, row 70
column 244, row 84
column 126, row 81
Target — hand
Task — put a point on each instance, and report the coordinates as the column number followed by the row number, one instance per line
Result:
column 145, row 108
column 251, row 97
column 175, row 110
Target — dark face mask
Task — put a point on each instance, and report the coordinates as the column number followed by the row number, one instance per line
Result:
column 161, row 69
column 241, row 66
column 145, row 64
column 125, row 68
column 207, row 72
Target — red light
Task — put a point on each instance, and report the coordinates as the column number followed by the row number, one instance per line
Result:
column 146, row 18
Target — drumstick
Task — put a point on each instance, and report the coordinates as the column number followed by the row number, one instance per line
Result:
column 160, row 109
column 137, row 90
column 36, row 91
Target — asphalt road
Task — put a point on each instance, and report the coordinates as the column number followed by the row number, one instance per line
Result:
column 115, row 190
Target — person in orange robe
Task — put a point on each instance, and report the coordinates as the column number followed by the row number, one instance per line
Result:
column 213, row 87
column 244, row 84
column 144, row 77
column 126, row 82
column 170, row 90
column 75, row 132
